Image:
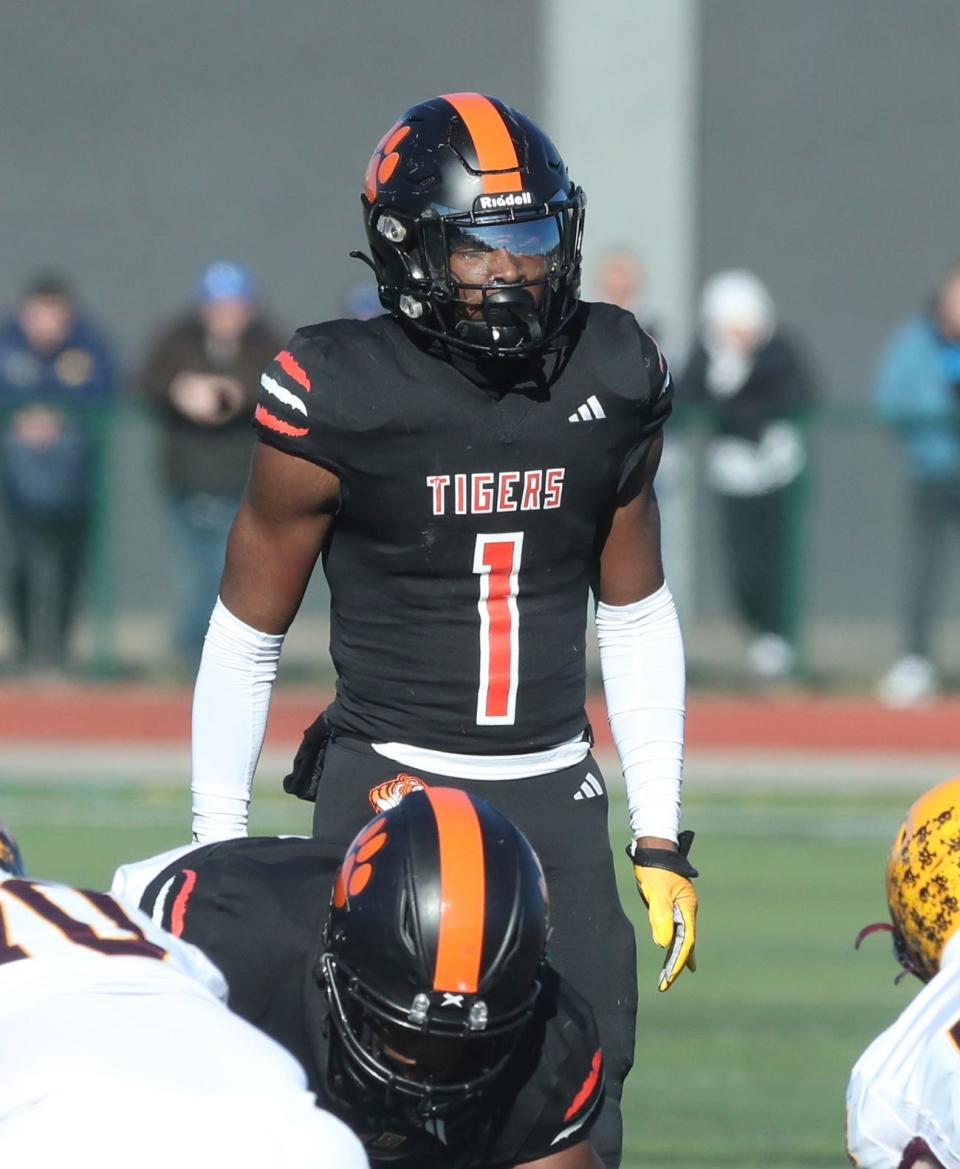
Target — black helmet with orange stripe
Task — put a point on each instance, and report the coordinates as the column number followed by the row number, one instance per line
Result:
column 432, row 955
column 474, row 226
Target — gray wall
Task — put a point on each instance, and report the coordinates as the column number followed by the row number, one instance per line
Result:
column 829, row 164
column 140, row 140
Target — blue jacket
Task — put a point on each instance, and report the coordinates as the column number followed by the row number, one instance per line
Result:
column 914, row 393
column 81, row 373
column 56, row 477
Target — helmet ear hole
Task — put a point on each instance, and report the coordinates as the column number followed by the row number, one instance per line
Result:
column 406, row 923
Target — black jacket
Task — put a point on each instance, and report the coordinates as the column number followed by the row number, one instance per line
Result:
column 198, row 458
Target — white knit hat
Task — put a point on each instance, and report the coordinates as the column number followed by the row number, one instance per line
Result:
column 736, row 297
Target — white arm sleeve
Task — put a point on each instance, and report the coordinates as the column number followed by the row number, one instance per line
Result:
column 230, row 704
column 644, row 679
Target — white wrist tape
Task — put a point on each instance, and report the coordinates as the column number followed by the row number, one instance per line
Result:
column 644, row 680
column 231, row 700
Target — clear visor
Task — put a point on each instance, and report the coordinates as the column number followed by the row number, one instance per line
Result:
column 474, row 250
column 533, row 237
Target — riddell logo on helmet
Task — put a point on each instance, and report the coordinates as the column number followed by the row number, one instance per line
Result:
column 513, row 199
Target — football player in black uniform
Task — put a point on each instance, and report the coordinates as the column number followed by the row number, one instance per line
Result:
column 470, row 466
column 411, row 983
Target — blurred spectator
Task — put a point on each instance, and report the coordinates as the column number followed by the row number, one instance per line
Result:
column 202, row 375
column 917, row 392
column 622, row 280
column 361, row 302
column 56, row 369
column 754, row 384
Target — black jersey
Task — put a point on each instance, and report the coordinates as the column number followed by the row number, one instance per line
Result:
column 257, row 907
column 463, row 551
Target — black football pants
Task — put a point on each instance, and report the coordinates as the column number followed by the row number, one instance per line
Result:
column 591, row 942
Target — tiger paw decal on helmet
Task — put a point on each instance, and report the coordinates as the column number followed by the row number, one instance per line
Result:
column 357, row 869
column 387, row 795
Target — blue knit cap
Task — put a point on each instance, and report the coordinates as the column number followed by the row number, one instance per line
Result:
column 223, row 280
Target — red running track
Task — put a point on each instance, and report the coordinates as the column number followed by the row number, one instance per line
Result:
column 147, row 714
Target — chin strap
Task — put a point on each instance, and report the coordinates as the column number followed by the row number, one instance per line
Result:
column 511, row 306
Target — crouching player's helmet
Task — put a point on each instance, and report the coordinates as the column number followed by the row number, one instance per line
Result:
column 474, row 226
column 11, row 861
column 923, row 879
column 432, row 954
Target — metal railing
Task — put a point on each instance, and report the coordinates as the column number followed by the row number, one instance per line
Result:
column 845, row 542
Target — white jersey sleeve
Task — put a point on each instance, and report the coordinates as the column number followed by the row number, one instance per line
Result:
column 130, row 881
column 71, row 934
column 905, row 1088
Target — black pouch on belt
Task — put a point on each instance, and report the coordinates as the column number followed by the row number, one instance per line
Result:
column 304, row 780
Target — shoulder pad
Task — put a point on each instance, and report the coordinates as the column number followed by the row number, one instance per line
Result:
column 329, row 384
column 627, row 359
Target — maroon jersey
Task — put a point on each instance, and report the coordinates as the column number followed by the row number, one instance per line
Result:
column 471, row 511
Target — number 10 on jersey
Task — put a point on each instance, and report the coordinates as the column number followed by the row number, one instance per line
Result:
column 496, row 560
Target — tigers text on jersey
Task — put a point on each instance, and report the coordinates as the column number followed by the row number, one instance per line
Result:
column 904, row 1092
column 470, row 521
column 257, row 906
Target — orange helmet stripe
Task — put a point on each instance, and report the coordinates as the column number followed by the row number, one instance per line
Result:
column 491, row 139
column 462, row 883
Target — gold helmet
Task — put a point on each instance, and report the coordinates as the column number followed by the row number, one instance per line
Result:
column 923, row 879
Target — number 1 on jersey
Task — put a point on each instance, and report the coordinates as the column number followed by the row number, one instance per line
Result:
column 496, row 559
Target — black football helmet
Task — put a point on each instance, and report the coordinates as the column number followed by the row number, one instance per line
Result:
column 11, row 860
column 466, row 174
column 432, row 955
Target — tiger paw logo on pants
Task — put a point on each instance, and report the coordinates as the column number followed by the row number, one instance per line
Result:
column 387, row 795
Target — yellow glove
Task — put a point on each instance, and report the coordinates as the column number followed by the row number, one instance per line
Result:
column 663, row 880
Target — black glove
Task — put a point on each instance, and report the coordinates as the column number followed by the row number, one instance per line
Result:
column 304, row 780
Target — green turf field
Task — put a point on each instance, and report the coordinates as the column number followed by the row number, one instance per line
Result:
column 742, row 1065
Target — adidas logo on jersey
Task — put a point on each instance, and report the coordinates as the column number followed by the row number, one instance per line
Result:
column 590, row 411
column 590, row 787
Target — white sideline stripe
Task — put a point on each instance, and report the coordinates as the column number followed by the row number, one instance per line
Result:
column 282, row 395
column 595, row 406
